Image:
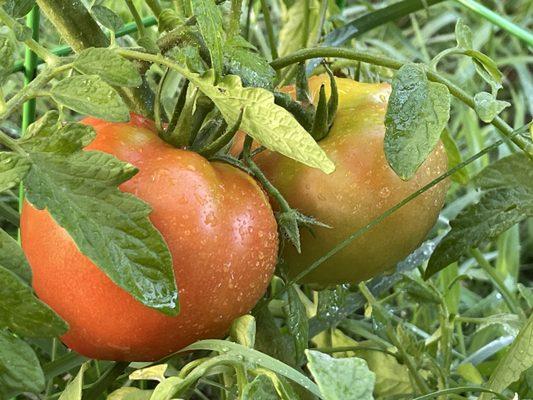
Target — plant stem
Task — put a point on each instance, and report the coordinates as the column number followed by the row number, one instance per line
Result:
column 515, row 30
column 65, row 50
column 271, row 189
column 136, row 18
column 30, row 70
column 383, row 61
column 74, row 23
column 155, row 6
column 498, row 282
column 270, row 30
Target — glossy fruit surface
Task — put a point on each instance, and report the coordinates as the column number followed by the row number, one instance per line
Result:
column 219, row 228
column 362, row 187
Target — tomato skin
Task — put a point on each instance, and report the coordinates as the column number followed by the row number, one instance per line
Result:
column 219, row 228
column 362, row 187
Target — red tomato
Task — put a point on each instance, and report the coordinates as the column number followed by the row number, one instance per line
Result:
column 219, row 228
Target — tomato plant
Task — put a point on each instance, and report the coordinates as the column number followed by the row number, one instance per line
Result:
column 274, row 199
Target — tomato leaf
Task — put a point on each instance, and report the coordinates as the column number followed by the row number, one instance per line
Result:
column 271, row 125
column 517, row 359
column 74, row 388
column 49, row 135
column 7, row 55
column 261, row 388
column 417, row 114
column 209, row 20
column 107, row 17
column 20, row 370
column 13, row 168
column 117, row 235
column 507, row 200
column 12, row 257
column 110, row 66
column 241, row 59
column 297, row 324
column 487, row 107
column 18, row 8
column 341, row 378
column 110, row 227
column 22, row 312
column 89, row 94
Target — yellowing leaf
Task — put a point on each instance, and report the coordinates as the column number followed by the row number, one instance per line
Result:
column 271, row 125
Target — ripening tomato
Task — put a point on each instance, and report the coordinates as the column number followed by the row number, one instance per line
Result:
column 217, row 223
column 362, row 187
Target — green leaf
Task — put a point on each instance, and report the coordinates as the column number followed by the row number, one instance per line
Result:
column 49, row 135
column 19, row 367
column 22, row 312
column 293, row 35
column 454, row 158
column 297, row 324
column 13, row 258
column 74, row 388
column 269, row 338
column 463, row 34
column 209, row 20
column 507, row 200
column 110, row 227
column 18, row 8
column 271, row 125
column 243, row 330
column 487, row 107
column 13, row 168
column 517, row 359
column 107, row 17
column 341, row 378
column 111, row 67
column 331, row 303
column 89, row 94
column 255, row 357
column 7, row 55
column 416, row 116
column 242, row 60
column 261, row 388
